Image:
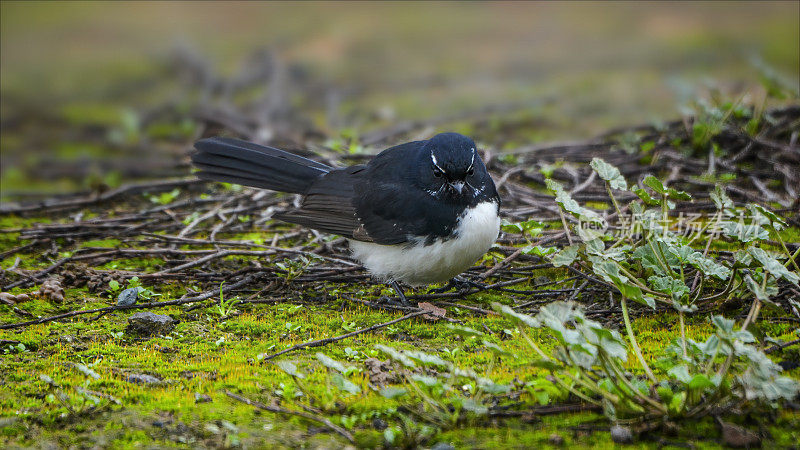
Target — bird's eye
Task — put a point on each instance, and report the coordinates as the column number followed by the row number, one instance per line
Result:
column 471, row 171
column 437, row 173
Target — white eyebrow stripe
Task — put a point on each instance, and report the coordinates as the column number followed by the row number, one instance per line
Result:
column 472, row 161
column 435, row 163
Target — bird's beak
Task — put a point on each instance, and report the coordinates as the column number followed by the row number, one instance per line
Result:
column 458, row 186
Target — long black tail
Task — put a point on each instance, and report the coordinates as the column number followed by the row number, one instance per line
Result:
column 240, row 162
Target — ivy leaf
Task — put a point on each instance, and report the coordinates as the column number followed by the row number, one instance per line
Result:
column 290, row 369
column 773, row 266
column 344, row 384
column 668, row 285
column 708, row 266
column 756, row 289
column 644, row 196
column 464, row 331
column 744, row 232
column 721, row 199
column 773, row 219
column 700, row 382
column 473, row 406
column 609, row 173
column 396, row 355
column 515, row 316
column 570, row 205
column 427, row 358
column 330, row 362
column 681, row 373
column 566, row 256
column 393, row 392
column 538, row 250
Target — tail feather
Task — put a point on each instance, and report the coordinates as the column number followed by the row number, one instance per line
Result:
column 248, row 164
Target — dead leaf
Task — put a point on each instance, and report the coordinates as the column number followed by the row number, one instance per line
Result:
column 435, row 313
column 736, row 436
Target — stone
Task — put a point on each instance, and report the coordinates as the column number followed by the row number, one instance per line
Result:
column 556, row 439
column 141, row 378
column 443, row 446
column 149, row 324
column 128, row 297
column 202, row 398
column 621, row 435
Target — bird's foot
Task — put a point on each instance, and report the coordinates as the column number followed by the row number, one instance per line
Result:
column 459, row 284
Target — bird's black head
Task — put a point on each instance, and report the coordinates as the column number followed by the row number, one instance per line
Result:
column 451, row 169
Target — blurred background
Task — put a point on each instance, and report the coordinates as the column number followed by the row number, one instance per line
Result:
column 95, row 94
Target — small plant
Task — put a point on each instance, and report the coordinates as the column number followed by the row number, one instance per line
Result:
column 164, row 198
column 651, row 263
column 115, row 288
column 225, row 307
column 293, row 268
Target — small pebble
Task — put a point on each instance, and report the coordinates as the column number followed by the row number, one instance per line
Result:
column 149, row 324
column 443, row 446
column 621, row 435
column 201, row 398
column 128, row 297
column 556, row 439
column 141, row 378
column 379, row 424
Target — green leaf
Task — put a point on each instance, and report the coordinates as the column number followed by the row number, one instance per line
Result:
column 568, row 204
column 773, row 266
column 344, row 384
column 547, row 364
column 700, row 382
column 427, row 358
column 609, row 173
column 708, row 266
column 290, row 369
column 87, row 371
column 776, row 221
column 473, row 406
column 681, row 373
column 393, row 392
column 396, row 355
column 668, row 285
column 677, row 403
column 464, row 331
column 515, row 316
column 566, row 256
column 721, row 199
column 656, row 185
column 426, row 380
column 756, row 289
column 744, row 232
column 644, row 196
column 330, row 363
column 664, row 393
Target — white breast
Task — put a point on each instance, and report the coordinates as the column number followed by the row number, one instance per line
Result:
column 418, row 264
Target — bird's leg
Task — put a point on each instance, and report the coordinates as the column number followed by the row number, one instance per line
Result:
column 459, row 284
column 400, row 293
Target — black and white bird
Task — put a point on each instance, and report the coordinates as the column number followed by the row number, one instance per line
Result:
column 418, row 213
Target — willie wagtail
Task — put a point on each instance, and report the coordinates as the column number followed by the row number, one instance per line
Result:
column 420, row 212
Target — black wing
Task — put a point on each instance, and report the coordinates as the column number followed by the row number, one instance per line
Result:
column 328, row 204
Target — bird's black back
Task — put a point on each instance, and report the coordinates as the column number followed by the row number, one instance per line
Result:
column 393, row 199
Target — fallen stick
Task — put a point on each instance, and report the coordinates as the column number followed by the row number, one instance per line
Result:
column 326, row 341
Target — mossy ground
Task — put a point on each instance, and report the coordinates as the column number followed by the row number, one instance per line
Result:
column 208, row 354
